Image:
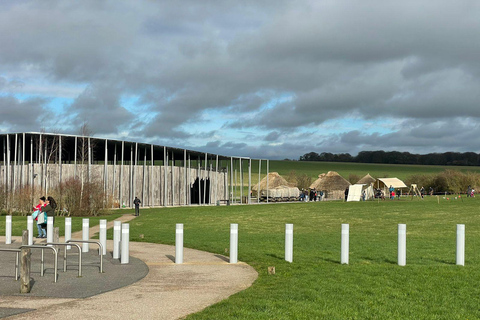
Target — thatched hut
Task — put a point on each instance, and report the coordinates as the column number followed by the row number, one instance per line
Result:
column 368, row 180
column 274, row 180
column 332, row 184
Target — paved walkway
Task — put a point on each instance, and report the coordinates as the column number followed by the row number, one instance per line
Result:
column 169, row 291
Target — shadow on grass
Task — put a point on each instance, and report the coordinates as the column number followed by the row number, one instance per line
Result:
column 444, row 261
column 379, row 260
column 275, row 256
column 169, row 256
column 330, row 260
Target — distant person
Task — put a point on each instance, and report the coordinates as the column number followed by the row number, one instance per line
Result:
column 472, row 194
column 430, row 191
column 398, row 194
column 312, row 194
column 392, row 192
column 364, row 195
column 320, row 195
column 38, row 214
column 137, row 202
column 49, row 211
column 422, row 192
column 469, row 191
column 346, row 193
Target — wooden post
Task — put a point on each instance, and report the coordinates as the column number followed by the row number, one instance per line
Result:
column 259, row 176
column 25, row 263
column 152, row 202
column 267, row 177
column 144, row 169
column 25, row 238
column 114, row 173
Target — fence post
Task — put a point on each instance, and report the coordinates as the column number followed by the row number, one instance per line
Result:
column 85, row 234
column 103, row 235
column 125, row 243
column 460, row 245
column 8, row 230
column 116, row 239
column 49, row 229
column 179, row 243
column 25, row 236
column 289, row 242
column 68, row 231
column 233, row 243
column 30, row 230
column 345, row 243
column 402, row 244
column 25, row 262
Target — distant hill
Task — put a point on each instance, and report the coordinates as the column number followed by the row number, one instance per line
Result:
column 396, row 157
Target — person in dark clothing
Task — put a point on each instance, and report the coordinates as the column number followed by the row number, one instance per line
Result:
column 346, row 194
column 137, row 202
column 49, row 211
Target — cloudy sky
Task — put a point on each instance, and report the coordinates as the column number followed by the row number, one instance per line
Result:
column 265, row 79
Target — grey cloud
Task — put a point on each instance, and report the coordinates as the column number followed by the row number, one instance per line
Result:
column 17, row 115
column 100, row 107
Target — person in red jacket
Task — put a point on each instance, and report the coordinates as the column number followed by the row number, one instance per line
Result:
column 38, row 211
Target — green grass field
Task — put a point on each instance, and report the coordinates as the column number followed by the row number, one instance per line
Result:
column 315, row 285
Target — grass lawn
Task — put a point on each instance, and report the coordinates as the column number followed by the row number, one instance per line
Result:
column 315, row 285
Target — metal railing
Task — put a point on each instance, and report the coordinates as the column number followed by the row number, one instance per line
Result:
column 65, row 255
column 55, row 262
column 17, row 251
column 100, row 249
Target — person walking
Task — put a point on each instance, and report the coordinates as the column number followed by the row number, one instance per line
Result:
column 137, row 202
column 49, row 211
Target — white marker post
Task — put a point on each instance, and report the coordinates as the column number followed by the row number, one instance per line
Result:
column 68, row 231
column 179, row 243
column 289, row 242
column 50, row 229
column 116, row 239
column 233, row 243
column 8, row 230
column 460, row 244
column 345, row 243
column 402, row 244
column 103, row 235
column 30, row 230
column 125, row 243
column 85, row 234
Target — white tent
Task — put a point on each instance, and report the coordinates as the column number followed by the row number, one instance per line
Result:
column 355, row 192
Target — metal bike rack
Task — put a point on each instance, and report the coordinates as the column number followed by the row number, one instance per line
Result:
column 55, row 262
column 100, row 249
column 17, row 251
column 65, row 255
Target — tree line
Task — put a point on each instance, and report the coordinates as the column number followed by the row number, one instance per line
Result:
column 396, row 157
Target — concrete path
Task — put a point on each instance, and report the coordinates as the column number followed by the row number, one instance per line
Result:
column 169, row 291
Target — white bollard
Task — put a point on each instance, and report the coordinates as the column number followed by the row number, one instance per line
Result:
column 460, row 244
column 68, row 231
column 30, row 230
column 49, row 229
column 85, row 234
column 179, row 243
column 116, row 239
column 345, row 243
column 289, row 242
column 402, row 244
column 125, row 243
column 103, row 235
column 233, row 243
column 8, row 230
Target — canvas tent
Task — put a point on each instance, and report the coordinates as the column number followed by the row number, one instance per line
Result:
column 355, row 192
column 385, row 183
column 332, row 184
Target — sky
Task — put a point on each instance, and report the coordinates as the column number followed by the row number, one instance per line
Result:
column 261, row 79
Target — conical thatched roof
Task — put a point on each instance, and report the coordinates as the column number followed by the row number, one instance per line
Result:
column 368, row 179
column 274, row 180
column 330, row 181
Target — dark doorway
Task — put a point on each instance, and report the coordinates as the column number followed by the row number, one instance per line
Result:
column 204, row 190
